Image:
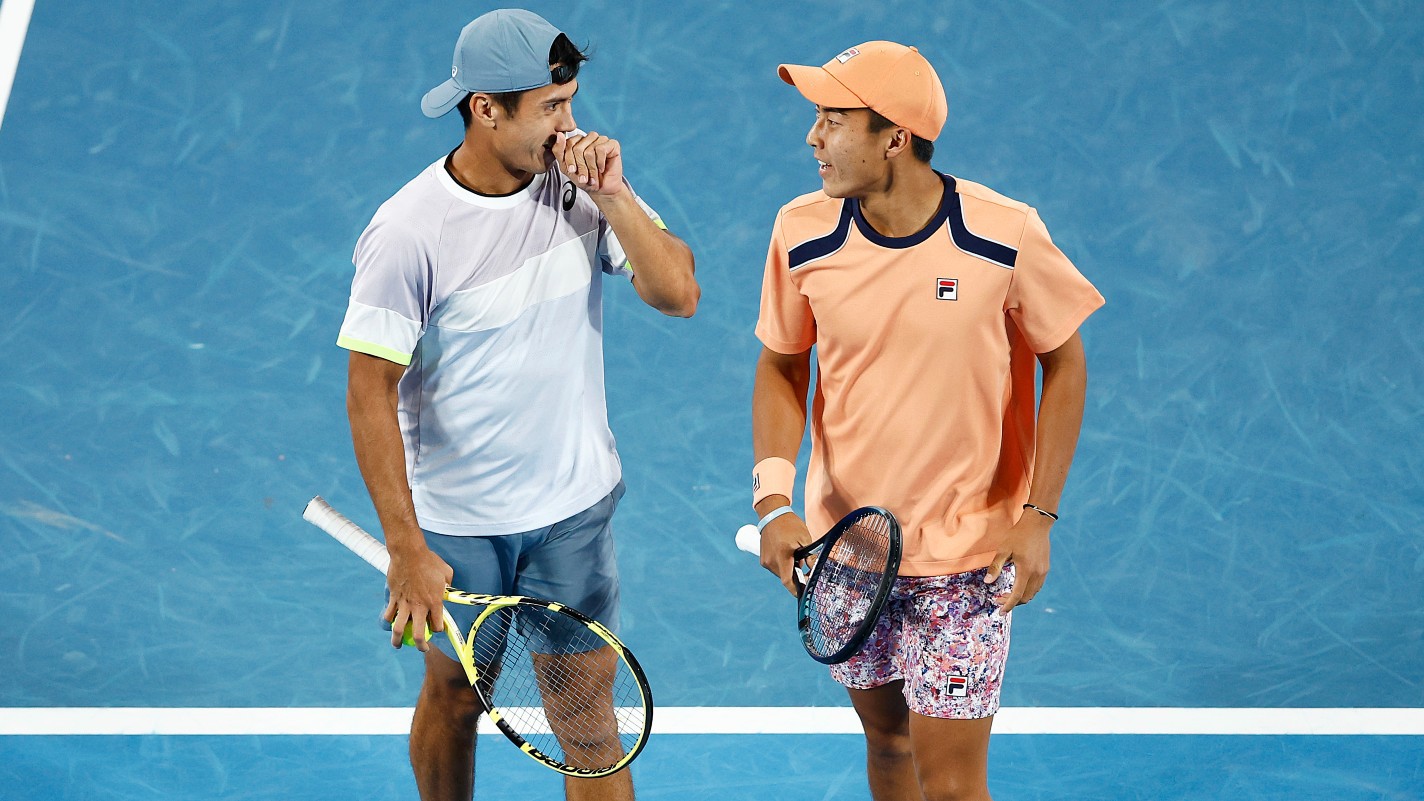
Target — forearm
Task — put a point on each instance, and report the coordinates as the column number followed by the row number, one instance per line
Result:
column 380, row 455
column 663, row 264
column 1060, row 417
column 779, row 412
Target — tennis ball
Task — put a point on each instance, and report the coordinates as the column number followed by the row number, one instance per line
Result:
column 408, row 637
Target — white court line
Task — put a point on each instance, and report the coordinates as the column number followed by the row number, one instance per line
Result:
column 14, row 25
column 719, row 720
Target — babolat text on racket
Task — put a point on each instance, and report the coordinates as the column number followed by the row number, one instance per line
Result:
column 852, row 569
column 557, row 683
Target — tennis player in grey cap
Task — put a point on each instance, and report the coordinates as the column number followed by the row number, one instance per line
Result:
column 475, row 386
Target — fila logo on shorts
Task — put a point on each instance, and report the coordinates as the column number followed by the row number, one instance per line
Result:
column 947, row 289
column 847, row 55
column 958, row 687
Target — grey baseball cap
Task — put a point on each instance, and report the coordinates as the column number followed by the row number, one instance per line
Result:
column 506, row 50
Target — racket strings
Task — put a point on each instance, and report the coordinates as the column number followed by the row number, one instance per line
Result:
column 840, row 600
column 560, row 686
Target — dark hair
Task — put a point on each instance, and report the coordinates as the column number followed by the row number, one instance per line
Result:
column 923, row 149
column 564, row 57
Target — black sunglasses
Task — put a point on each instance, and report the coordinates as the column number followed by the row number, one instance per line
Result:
column 563, row 73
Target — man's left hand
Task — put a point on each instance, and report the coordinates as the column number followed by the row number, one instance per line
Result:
column 592, row 161
column 1027, row 546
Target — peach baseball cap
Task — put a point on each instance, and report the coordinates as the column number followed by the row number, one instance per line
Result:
column 889, row 78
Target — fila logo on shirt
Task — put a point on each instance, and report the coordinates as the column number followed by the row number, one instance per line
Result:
column 958, row 687
column 947, row 289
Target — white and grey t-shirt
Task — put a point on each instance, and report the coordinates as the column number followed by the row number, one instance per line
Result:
column 495, row 305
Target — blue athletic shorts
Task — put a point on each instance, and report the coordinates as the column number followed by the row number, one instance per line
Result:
column 572, row 562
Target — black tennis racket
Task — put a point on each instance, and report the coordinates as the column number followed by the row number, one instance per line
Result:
column 852, row 569
column 557, row 683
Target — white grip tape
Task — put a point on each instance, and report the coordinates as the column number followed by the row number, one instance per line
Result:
column 320, row 514
column 749, row 539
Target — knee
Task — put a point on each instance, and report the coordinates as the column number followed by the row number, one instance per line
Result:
column 450, row 697
column 887, row 743
column 949, row 787
column 954, row 794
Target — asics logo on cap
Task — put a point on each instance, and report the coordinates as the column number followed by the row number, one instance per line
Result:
column 847, row 55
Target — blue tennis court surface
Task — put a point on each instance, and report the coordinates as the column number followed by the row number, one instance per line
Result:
column 181, row 186
column 721, row 767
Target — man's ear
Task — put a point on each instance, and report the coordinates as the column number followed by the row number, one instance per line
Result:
column 484, row 111
column 900, row 140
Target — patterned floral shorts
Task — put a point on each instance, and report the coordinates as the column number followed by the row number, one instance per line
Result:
column 944, row 637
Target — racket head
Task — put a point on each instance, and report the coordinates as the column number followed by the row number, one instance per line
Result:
column 854, row 567
column 557, row 683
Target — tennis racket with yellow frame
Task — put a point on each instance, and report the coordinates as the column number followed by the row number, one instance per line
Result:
column 558, row 684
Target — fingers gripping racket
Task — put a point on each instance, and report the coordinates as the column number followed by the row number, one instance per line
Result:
column 852, row 570
column 557, row 683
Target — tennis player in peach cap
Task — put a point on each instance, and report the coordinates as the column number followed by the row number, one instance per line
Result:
column 931, row 302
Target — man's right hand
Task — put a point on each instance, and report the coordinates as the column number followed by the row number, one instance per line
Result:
column 417, row 580
column 779, row 541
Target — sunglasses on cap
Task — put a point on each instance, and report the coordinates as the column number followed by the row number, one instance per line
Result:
column 562, row 73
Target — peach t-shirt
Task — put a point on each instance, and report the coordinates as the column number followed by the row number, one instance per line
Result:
column 925, row 348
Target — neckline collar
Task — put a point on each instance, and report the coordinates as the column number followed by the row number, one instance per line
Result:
column 461, row 192
column 936, row 222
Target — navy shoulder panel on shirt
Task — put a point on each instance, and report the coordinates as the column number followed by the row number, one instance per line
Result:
column 969, row 242
column 822, row 246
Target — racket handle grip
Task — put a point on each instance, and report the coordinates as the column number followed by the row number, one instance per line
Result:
column 749, row 539
column 320, row 514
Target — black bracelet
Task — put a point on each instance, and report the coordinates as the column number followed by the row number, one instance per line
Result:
column 1043, row 512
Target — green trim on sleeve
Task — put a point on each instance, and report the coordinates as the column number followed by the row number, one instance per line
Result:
column 389, row 354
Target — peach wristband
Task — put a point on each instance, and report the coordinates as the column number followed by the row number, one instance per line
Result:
column 772, row 476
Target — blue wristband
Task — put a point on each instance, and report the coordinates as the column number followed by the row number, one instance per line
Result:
column 772, row 515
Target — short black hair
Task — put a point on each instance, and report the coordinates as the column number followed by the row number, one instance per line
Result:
column 564, row 57
column 923, row 149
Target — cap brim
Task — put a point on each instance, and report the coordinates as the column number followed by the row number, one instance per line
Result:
column 438, row 101
column 819, row 86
